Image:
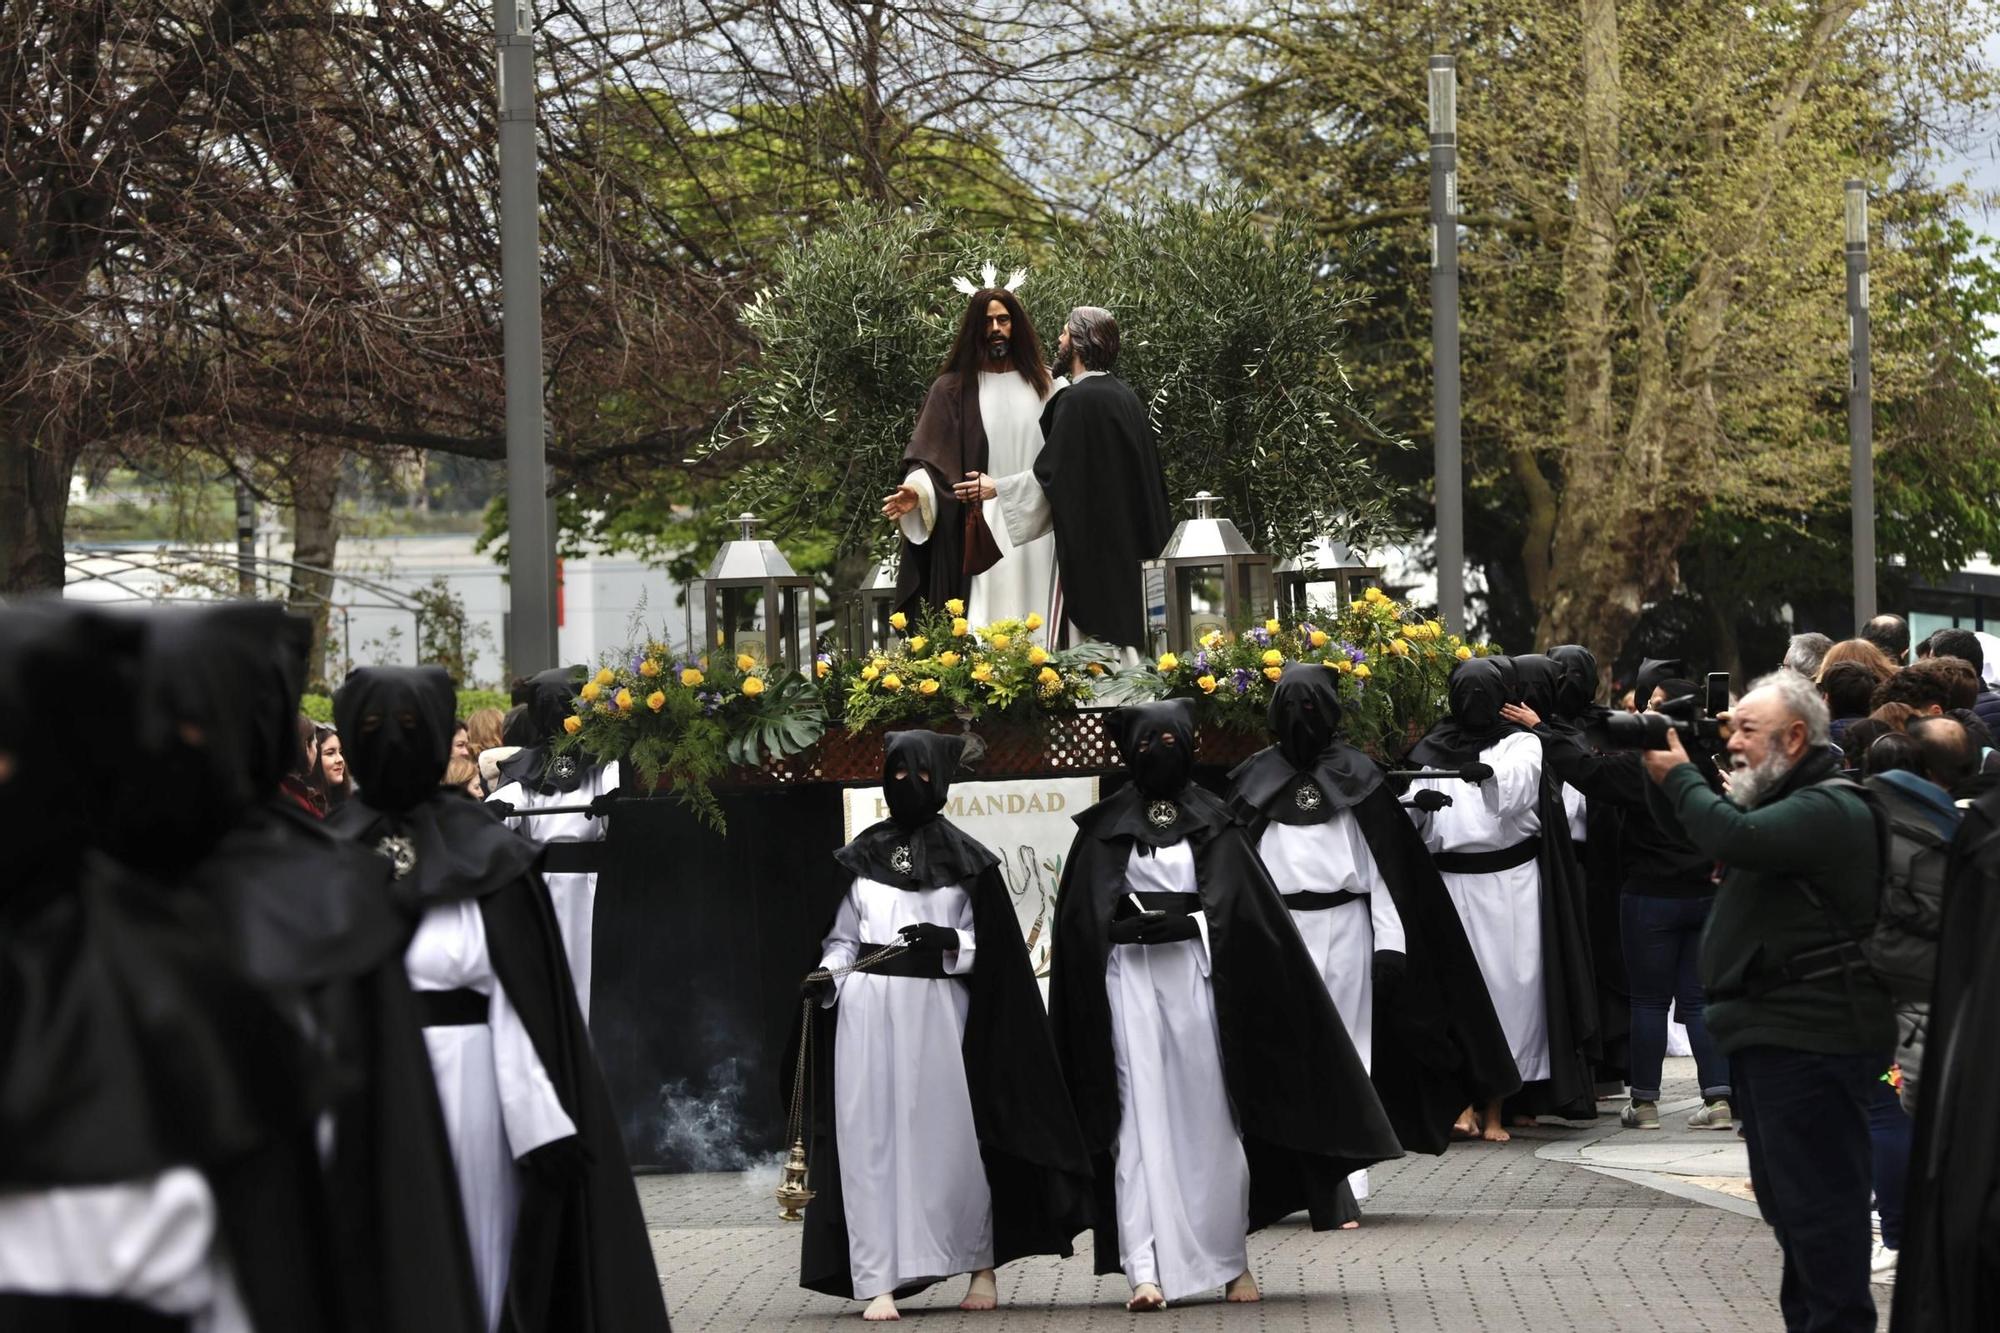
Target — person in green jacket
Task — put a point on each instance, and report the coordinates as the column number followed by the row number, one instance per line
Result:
column 1790, row 999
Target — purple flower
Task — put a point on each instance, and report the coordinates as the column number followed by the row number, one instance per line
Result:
column 1201, row 661
column 1259, row 636
column 1354, row 655
column 1240, row 678
column 1307, row 628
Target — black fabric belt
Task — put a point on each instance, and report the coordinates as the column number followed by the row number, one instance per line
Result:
column 1319, row 902
column 923, row 964
column 1180, row 904
column 1487, row 863
column 1821, row 964
column 572, row 858
column 451, row 1008
column 84, row 1314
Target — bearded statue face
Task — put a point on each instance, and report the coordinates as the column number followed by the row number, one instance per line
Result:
column 999, row 341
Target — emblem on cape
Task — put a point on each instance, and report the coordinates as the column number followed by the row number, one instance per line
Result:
column 402, row 854
column 1163, row 814
column 1308, row 796
column 562, row 768
column 901, row 862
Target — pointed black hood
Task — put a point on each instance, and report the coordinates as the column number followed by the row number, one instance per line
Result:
column 914, row 848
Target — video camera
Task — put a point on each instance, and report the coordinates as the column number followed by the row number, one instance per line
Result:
column 1697, row 720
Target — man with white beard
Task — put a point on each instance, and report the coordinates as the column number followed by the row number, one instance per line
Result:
column 1791, row 1000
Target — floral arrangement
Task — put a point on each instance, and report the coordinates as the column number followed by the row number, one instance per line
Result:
column 1393, row 664
column 944, row 668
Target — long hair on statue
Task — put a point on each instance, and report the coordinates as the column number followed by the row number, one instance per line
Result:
column 968, row 351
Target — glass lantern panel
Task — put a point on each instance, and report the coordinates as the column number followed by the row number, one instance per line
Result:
column 785, row 644
column 1257, row 604
column 1205, row 595
column 742, row 629
column 1153, row 580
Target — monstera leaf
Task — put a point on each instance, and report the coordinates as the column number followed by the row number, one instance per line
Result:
column 788, row 718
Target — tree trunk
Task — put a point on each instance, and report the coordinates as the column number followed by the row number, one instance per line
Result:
column 315, row 488
column 34, row 504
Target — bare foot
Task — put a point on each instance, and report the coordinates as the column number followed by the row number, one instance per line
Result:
column 1495, row 1133
column 1146, row 1298
column 1466, row 1127
column 1350, row 1226
column 982, row 1293
column 881, row 1310
column 1243, row 1290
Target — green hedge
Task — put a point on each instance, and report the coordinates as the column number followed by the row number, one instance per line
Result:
column 319, row 707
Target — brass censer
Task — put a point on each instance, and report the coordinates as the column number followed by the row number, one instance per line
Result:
column 793, row 1192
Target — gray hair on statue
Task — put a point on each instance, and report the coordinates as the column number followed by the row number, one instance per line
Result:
column 1093, row 337
column 1801, row 699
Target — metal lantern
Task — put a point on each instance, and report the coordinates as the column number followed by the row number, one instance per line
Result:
column 866, row 628
column 1206, row 579
column 756, row 605
column 1325, row 562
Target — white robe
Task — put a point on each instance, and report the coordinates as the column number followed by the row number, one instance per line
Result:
column 152, row 1242
column 1011, row 412
column 574, row 896
column 1183, row 1183
column 911, row 1178
column 497, row 1099
column 1501, row 910
column 1334, row 857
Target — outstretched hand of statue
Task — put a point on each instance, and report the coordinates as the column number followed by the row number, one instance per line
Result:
column 976, row 486
column 899, row 502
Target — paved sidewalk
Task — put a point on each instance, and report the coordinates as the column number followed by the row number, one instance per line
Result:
column 1594, row 1227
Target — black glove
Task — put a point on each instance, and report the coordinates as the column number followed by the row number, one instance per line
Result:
column 560, row 1162
column 1391, row 966
column 1430, row 800
column 1170, row 928
column 1475, row 771
column 601, row 805
column 816, row 989
column 924, row 935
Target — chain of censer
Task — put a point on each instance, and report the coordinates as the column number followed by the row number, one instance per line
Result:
column 795, row 1124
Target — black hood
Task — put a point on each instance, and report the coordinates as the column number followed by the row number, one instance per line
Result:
column 928, row 761
column 1542, row 680
column 1477, row 690
column 1160, row 767
column 545, row 699
column 1305, row 713
column 396, row 725
column 1510, row 677
column 913, row 848
column 1578, row 692
column 1653, row 673
column 217, row 727
column 67, row 682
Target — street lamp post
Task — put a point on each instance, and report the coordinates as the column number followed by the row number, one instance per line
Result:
column 1447, row 462
column 1860, row 405
column 531, row 622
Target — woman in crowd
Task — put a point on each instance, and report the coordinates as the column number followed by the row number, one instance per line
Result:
column 329, row 771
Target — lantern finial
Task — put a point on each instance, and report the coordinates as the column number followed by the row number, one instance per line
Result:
column 747, row 520
column 1204, row 503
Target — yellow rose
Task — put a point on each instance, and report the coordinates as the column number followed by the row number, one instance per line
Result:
column 1272, row 657
column 691, row 677
column 927, row 687
column 1462, row 653
column 623, row 699
column 649, row 668
column 1343, row 665
column 1037, row 655
column 1095, row 669
column 1436, row 627
column 1375, row 595
column 656, row 701
column 899, row 621
column 1168, row 662
column 1399, row 648
column 1272, row 673
column 1318, row 638
column 753, row 686
column 1211, row 639
column 961, row 627
column 1361, row 671
column 870, row 671
column 591, row 689
column 572, row 724
column 982, row 673
column 1273, row 627
column 604, row 676
column 880, row 664
column 1357, row 606
column 745, row 662
column 1207, row 684
column 892, row 681
column 917, row 642
column 1000, row 642
column 949, row 659
column 1033, row 621
column 823, row 669
column 954, row 607
column 1049, row 676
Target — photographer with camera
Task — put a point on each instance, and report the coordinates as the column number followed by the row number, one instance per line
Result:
column 1665, row 885
column 1791, row 1000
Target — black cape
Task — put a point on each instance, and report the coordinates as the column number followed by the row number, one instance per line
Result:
column 1036, row 1167
column 1948, row 1272
column 949, row 441
column 581, row 1257
column 1304, row 1105
column 1438, row 1044
column 1101, row 470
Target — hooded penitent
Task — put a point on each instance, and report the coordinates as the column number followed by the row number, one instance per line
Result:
column 1478, row 689
column 1437, row 1044
column 1304, row 1108
column 547, row 698
column 579, row 1257
column 130, row 1044
column 1576, row 697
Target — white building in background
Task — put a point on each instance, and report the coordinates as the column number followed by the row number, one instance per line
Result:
column 603, row 602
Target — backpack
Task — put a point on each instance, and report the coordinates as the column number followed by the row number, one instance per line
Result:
column 1902, row 948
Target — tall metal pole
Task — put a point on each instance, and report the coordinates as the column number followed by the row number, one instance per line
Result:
column 246, row 541
column 1860, row 405
column 1450, row 480
column 531, row 622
